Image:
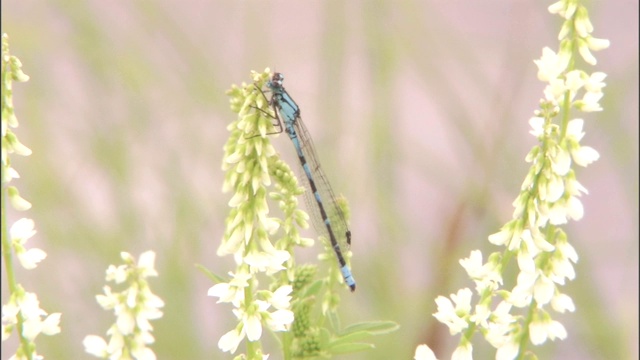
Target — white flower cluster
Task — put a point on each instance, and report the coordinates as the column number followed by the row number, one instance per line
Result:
column 549, row 197
column 22, row 312
column 247, row 155
column 35, row 321
column 133, row 307
column 252, row 315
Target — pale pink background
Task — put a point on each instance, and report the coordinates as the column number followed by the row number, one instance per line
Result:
column 419, row 113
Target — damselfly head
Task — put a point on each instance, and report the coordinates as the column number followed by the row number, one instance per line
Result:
column 277, row 79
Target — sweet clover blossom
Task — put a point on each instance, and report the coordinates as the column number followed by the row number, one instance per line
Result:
column 133, row 307
column 252, row 171
column 549, row 197
column 22, row 312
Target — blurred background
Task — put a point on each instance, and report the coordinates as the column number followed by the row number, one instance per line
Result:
column 419, row 111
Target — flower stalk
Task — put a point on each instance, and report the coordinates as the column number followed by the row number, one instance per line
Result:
column 22, row 312
column 548, row 198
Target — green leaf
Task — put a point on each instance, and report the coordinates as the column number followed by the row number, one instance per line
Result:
column 351, row 337
column 373, row 327
column 350, row 348
column 313, row 289
column 215, row 278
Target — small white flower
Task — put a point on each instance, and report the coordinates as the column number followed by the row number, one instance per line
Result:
column 584, row 155
column 481, row 315
column 543, row 290
column 454, row 317
column 15, row 146
column 118, row 274
column 32, row 314
column 562, row 303
column 525, row 261
column 595, row 82
column 501, row 237
column 558, row 213
column 539, row 331
column 554, row 188
column 9, row 173
column 109, row 300
column 561, row 162
column 590, row 102
column 585, row 52
column 484, row 275
column 574, row 129
column 537, row 126
column 462, row 300
column 500, row 325
column 230, row 341
column 554, row 92
column 582, row 23
column 22, row 230
column 269, row 261
column 29, row 259
column 566, row 249
column 597, row 44
column 566, row 9
column 550, row 66
column 522, row 293
column 51, row 324
column 561, row 268
column 280, row 299
column 575, row 210
column 146, row 263
column 463, row 352
column 253, row 326
column 233, row 291
column 473, row 264
column 95, row 345
column 515, row 243
column 539, row 241
column 126, row 321
column 519, row 204
column 232, row 243
column 280, row 320
column 423, row 352
column 508, row 351
column 141, row 352
column 573, row 82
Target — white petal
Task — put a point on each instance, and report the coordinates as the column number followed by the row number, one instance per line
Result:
column 95, row 345
column 423, row 352
column 146, row 262
column 230, row 341
column 253, row 327
column 22, row 230
column 537, row 332
column 562, row 303
column 576, row 210
column 557, row 331
column 585, row 155
column 463, row 352
column 51, row 324
column 543, row 290
column 508, row 351
column 30, row 259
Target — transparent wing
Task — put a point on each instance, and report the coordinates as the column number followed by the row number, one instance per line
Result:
column 332, row 208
